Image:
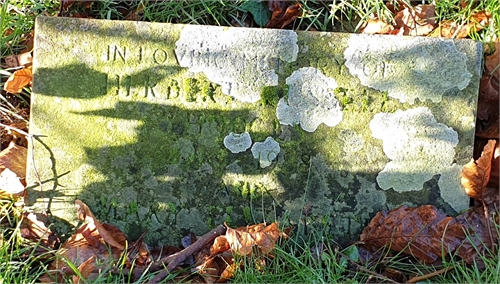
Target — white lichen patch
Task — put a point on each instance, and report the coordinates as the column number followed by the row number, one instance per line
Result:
column 407, row 68
column 451, row 188
column 417, row 145
column 311, row 100
column 266, row 151
column 242, row 61
column 237, row 143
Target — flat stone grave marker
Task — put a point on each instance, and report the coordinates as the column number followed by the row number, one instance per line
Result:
column 175, row 128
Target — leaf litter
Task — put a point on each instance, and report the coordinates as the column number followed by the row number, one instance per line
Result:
column 99, row 246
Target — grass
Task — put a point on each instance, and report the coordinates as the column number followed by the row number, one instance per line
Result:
column 295, row 260
column 21, row 261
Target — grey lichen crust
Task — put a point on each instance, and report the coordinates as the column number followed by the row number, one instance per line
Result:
column 266, row 151
column 407, row 68
column 237, row 143
column 451, row 188
column 311, row 100
column 418, row 146
column 242, row 61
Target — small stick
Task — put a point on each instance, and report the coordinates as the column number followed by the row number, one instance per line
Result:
column 175, row 259
column 430, row 275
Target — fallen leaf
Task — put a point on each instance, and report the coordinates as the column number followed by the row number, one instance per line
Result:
column 220, row 245
column 22, row 59
column 13, row 171
column 18, row 80
column 85, row 249
column 416, row 21
column 492, row 67
column 114, row 237
column 35, row 230
column 376, row 26
column 452, row 29
column 10, row 185
column 14, row 158
column 423, row 232
column 243, row 240
column 476, row 174
column 85, row 269
column 280, row 19
column 482, row 236
column 495, row 168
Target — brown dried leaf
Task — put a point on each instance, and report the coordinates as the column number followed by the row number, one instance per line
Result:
column 115, row 238
column 76, row 250
column 13, row 171
column 10, row 185
column 243, row 239
column 492, row 66
column 280, row 19
column 495, row 168
column 416, row 21
column 228, row 273
column 481, row 236
column 18, row 80
column 85, row 269
column 86, row 247
column 22, row 59
column 14, row 158
column 451, row 29
column 35, row 230
column 220, row 245
column 376, row 26
column 210, row 269
column 423, row 232
column 476, row 174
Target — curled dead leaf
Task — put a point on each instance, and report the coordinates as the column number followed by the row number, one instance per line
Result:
column 452, row 29
column 281, row 19
column 32, row 228
column 482, row 237
column 243, row 240
column 423, row 232
column 492, row 67
column 114, row 238
column 376, row 26
column 18, row 80
column 86, row 249
column 416, row 21
column 476, row 174
column 14, row 158
column 13, row 171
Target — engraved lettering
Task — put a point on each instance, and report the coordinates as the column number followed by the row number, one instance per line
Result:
column 124, row 85
column 149, row 87
column 374, row 69
column 115, row 50
column 119, row 85
column 160, row 56
column 141, row 54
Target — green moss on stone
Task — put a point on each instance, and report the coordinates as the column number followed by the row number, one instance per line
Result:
column 270, row 95
column 190, row 89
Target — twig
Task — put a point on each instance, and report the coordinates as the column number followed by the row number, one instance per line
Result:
column 430, row 275
column 17, row 130
column 487, row 217
column 177, row 258
column 364, row 269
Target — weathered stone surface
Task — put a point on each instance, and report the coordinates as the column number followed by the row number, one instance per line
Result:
column 138, row 117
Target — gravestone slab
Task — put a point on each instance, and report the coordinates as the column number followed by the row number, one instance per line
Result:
column 176, row 128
